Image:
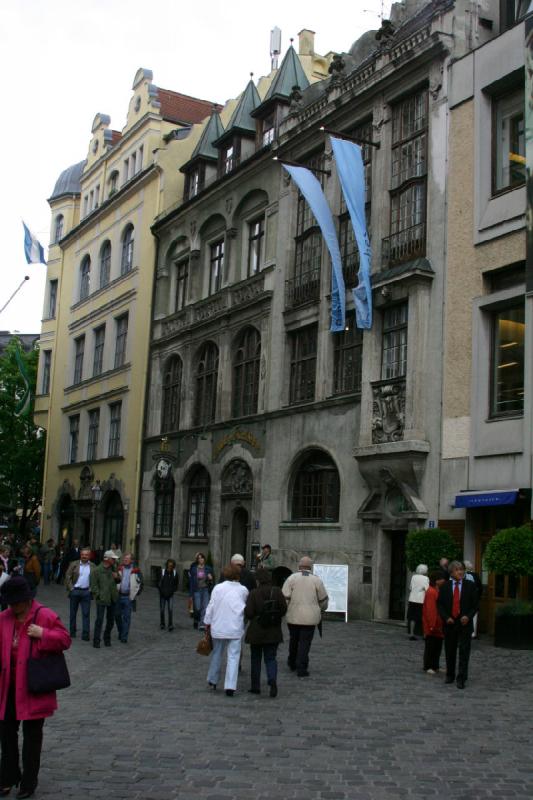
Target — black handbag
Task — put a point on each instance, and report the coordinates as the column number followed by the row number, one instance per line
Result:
column 47, row 673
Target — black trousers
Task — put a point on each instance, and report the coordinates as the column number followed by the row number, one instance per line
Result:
column 432, row 651
column 32, row 741
column 109, row 613
column 457, row 637
column 300, row 640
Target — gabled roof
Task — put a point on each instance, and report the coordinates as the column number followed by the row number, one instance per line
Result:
column 241, row 119
column 212, row 131
column 177, row 107
column 289, row 74
column 69, row 182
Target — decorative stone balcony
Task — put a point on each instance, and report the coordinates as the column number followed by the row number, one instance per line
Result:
column 388, row 410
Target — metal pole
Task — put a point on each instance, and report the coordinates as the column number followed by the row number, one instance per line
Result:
column 26, row 278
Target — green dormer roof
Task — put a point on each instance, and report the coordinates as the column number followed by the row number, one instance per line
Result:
column 241, row 119
column 212, row 131
column 290, row 74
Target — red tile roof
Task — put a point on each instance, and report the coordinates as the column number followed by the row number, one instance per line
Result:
column 177, row 107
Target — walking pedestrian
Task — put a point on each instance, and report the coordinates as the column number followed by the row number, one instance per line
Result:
column 31, row 569
column 78, row 586
column 26, row 626
column 48, row 554
column 471, row 575
column 457, row 604
column 104, row 581
column 417, row 590
column 432, row 624
column 265, row 608
column 201, row 579
column 129, row 588
column 224, row 619
column 307, row 598
column 168, row 586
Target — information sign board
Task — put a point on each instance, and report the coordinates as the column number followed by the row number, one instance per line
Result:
column 335, row 579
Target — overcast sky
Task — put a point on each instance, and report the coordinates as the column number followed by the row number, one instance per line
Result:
column 64, row 61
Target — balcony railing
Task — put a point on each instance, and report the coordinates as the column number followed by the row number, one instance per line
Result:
column 303, row 289
column 404, row 246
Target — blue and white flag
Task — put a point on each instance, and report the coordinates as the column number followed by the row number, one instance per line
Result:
column 351, row 172
column 33, row 249
column 312, row 191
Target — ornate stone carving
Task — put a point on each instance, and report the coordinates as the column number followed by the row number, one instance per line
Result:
column 336, row 69
column 86, row 481
column 176, row 323
column 295, row 100
column 211, row 309
column 388, row 411
column 237, row 478
column 229, row 204
column 247, row 292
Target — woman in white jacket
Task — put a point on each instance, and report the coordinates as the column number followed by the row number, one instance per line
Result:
column 224, row 619
column 417, row 593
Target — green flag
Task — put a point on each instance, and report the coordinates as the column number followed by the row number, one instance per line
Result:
column 23, row 406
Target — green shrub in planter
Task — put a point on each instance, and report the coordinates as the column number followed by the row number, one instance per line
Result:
column 428, row 546
column 510, row 552
column 518, row 608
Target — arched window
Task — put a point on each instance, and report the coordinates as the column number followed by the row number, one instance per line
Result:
column 171, row 394
column 206, row 384
column 58, row 232
column 105, row 263
column 316, row 488
column 198, row 504
column 246, row 372
column 85, row 277
column 126, row 262
column 164, row 507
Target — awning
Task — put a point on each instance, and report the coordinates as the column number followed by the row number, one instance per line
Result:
column 488, row 497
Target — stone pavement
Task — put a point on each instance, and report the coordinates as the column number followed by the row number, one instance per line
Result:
column 139, row 722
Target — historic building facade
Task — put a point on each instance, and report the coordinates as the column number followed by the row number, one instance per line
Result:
column 262, row 426
column 95, row 331
column 487, row 427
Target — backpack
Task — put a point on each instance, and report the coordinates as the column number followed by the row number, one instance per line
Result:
column 270, row 614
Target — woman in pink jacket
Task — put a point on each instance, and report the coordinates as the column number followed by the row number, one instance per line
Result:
column 20, row 632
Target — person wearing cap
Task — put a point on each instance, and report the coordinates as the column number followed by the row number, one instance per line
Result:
column 27, row 629
column 307, row 598
column 104, row 590
column 78, row 586
column 129, row 588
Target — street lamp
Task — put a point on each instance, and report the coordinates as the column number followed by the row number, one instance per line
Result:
column 96, row 491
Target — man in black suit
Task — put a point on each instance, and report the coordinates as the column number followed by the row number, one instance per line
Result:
column 457, row 604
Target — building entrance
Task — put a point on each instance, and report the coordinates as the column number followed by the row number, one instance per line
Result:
column 239, row 532
column 398, row 575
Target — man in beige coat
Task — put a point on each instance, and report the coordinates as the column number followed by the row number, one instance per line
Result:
column 307, row 598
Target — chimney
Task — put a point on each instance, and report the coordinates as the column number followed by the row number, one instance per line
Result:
column 306, row 42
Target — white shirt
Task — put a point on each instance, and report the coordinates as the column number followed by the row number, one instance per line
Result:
column 419, row 584
column 225, row 612
column 85, row 574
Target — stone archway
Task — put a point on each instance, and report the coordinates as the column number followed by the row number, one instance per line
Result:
column 236, row 500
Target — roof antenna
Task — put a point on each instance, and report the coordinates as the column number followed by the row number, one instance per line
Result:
column 275, row 47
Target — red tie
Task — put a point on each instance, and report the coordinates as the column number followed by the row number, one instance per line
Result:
column 456, row 606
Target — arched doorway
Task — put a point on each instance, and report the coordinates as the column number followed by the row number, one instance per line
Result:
column 66, row 520
column 239, row 531
column 113, row 520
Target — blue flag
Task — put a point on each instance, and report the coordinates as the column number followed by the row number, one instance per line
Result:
column 33, row 249
column 351, row 174
column 312, row 191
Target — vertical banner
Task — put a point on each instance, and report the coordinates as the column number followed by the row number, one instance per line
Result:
column 312, row 191
column 351, row 172
column 529, row 149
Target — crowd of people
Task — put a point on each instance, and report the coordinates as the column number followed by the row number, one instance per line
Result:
column 443, row 607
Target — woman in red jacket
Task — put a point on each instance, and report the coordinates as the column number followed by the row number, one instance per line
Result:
column 19, row 628
column 432, row 625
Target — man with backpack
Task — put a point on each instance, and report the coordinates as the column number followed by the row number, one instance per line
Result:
column 265, row 608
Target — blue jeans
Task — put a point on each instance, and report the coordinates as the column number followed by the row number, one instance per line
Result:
column 200, row 600
column 48, row 569
column 123, row 616
column 269, row 652
column 109, row 613
column 80, row 597
column 232, row 665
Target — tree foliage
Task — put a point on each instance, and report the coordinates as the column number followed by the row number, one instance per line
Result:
column 510, row 552
column 22, row 444
column 428, row 546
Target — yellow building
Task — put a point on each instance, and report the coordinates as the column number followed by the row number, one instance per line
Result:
column 96, row 321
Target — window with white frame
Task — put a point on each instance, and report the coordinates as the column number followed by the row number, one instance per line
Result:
column 509, row 168
column 121, row 340
column 216, row 265
column 105, row 264
column 85, row 277
column 58, row 231
column 126, row 261
column 256, row 235
column 182, row 279
column 74, row 438
column 99, row 342
column 115, row 420
column 52, row 299
column 394, row 342
column 92, row 441
column 79, row 351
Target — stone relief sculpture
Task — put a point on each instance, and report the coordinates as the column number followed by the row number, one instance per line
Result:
column 388, row 412
column 237, row 478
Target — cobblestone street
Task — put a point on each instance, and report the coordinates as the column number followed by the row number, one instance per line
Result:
column 139, row 721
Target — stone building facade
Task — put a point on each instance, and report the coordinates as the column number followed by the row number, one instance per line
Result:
column 261, row 425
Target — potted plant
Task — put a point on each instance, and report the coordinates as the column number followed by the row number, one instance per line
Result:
column 510, row 552
column 428, row 546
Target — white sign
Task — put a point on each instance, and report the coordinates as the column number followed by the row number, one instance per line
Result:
column 335, row 579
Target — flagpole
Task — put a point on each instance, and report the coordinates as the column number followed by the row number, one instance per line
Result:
column 26, row 278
